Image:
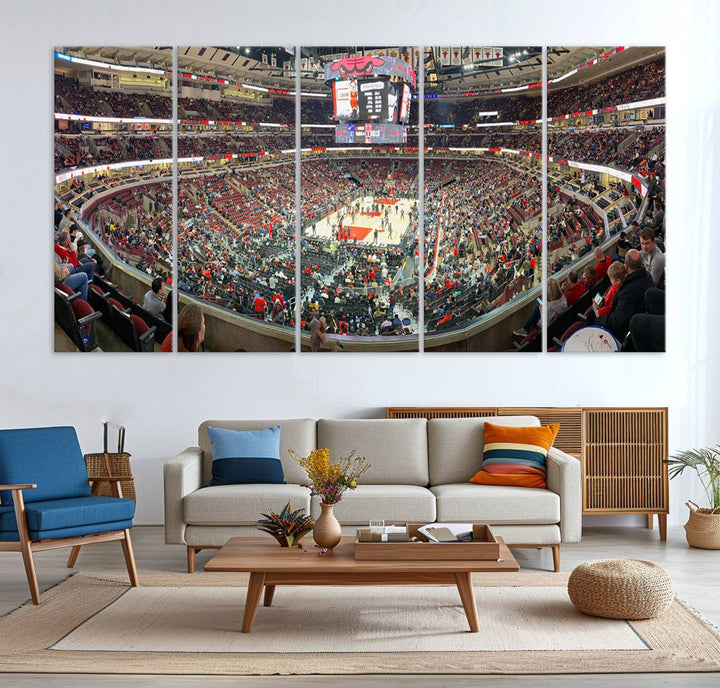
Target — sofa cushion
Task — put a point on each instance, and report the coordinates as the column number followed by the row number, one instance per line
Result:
column 227, row 505
column 396, row 449
column 546, row 534
column 496, row 504
column 455, row 445
column 515, row 456
column 245, row 456
column 48, row 457
column 382, row 502
column 295, row 433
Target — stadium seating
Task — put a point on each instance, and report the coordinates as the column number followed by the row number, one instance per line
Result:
column 76, row 317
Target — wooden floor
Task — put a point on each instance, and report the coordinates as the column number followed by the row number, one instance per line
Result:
column 696, row 574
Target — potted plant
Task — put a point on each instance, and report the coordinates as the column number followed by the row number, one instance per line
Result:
column 288, row 527
column 703, row 527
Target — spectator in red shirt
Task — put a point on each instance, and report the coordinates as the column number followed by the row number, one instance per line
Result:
column 616, row 273
column 66, row 251
column 259, row 305
column 572, row 288
column 603, row 263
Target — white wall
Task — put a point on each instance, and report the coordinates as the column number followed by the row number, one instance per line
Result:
column 161, row 399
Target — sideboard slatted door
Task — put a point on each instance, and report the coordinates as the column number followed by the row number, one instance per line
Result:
column 623, row 462
column 569, row 437
column 440, row 412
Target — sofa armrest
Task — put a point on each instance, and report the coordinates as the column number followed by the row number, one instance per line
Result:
column 182, row 475
column 564, row 477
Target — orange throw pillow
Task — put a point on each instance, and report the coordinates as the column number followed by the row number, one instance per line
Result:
column 515, row 456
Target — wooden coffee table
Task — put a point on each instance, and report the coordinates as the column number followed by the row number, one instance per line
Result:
column 270, row 565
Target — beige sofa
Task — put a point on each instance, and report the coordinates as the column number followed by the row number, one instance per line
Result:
column 419, row 473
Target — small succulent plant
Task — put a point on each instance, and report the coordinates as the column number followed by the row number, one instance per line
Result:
column 288, row 527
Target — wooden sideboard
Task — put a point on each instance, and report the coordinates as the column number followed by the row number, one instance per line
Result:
column 622, row 451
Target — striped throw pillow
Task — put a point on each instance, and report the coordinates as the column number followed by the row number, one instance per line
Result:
column 515, row 456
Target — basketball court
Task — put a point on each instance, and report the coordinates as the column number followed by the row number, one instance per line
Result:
column 365, row 223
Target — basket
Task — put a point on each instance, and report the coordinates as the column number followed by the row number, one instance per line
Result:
column 107, row 465
column 621, row 589
column 703, row 527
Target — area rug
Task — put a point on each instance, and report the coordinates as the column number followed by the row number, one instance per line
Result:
column 189, row 624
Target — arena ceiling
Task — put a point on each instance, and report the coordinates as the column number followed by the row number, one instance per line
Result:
column 246, row 64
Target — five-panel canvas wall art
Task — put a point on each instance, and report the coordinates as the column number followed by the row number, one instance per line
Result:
column 360, row 199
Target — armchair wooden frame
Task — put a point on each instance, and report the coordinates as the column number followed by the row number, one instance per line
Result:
column 26, row 546
column 115, row 488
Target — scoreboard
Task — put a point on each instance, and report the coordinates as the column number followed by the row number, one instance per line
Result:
column 371, row 100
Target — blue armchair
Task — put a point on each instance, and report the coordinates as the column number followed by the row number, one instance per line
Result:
column 45, row 499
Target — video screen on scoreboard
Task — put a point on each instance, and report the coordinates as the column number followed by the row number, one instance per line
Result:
column 405, row 104
column 345, row 100
column 371, row 100
column 371, row 133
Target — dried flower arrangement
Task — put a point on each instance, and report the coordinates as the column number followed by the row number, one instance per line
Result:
column 329, row 480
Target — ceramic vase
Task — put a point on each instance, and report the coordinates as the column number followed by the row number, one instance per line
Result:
column 326, row 532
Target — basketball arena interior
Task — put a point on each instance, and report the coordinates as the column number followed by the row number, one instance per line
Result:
column 356, row 199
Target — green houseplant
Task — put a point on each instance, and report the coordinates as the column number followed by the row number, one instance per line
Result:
column 288, row 527
column 703, row 527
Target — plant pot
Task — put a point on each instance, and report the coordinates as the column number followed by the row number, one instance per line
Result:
column 703, row 527
column 327, row 532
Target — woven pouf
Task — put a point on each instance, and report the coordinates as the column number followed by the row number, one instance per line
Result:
column 621, row 589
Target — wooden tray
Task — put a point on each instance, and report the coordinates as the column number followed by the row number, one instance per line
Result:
column 483, row 547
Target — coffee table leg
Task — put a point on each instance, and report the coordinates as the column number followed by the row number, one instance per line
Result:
column 269, row 592
column 252, row 601
column 467, row 597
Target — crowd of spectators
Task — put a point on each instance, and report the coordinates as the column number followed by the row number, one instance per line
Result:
column 278, row 110
column 603, row 146
column 85, row 150
column 629, row 86
column 136, row 224
column 573, row 230
column 516, row 108
column 643, row 148
column 635, row 84
column 480, row 243
column 71, row 97
column 237, row 238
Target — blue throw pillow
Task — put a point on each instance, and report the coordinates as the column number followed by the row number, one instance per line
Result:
column 241, row 457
